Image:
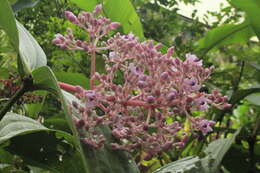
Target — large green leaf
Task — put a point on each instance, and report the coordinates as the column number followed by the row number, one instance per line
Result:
column 38, row 145
column 88, row 5
column 123, row 11
column 7, row 22
column 252, row 9
column 72, row 78
column 45, row 79
column 254, row 99
column 32, row 55
column 224, row 35
column 119, row 11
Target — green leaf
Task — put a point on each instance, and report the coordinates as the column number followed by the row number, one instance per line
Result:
column 88, row 5
column 123, row 11
column 21, row 4
column 118, row 11
column 13, row 125
column 254, row 99
column 252, row 10
column 224, row 35
column 33, row 109
column 243, row 93
column 45, row 79
column 185, row 165
column 216, row 151
column 38, row 145
column 72, row 78
column 7, row 22
column 31, row 54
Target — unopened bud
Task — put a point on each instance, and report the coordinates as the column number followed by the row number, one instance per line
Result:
column 98, row 9
column 114, row 25
column 150, row 99
column 164, row 75
column 71, row 17
column 170, row 51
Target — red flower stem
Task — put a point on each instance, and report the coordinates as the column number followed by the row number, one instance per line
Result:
column 71, row 88
column 93, row 69
column 67, row 87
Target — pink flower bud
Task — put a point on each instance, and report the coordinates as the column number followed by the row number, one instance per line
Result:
column 57, row 41
column 71, row 17
column 170, row 51
column 98, row 9
column 114, row 25
column 165, row 76
column 158, row 46
column 150, row 99
column 141, row 84
column 80, row 124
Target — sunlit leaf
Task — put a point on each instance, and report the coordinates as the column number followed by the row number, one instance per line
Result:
column 252, row 9
column 224, row 35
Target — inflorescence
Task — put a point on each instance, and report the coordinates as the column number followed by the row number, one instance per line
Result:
column 147, row 109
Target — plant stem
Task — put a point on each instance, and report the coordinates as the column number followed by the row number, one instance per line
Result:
column 11, row 101
column 67, row 87
column 93, row 69
column 27, row 86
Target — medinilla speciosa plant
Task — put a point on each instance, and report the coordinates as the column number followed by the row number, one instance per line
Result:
column 145, row 97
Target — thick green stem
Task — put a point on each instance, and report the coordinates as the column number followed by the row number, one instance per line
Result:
column 11, row 101
column 27, row 85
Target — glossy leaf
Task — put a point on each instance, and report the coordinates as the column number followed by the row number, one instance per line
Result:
column 187, row 165
column 252, row 10
column 224, row 35
column 32, row 55
column 45, row 79
column 123, row 11
column 118, row 11
column 7, row 22
column 38, row 145
column 254, row 99
column 72, row 78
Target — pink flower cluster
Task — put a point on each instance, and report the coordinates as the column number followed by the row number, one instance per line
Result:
column 147, row 107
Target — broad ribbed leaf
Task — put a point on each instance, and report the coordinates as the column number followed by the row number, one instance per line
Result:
column 252, row 9
column 224, row 35
column 118, row 11
column 38, row 145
